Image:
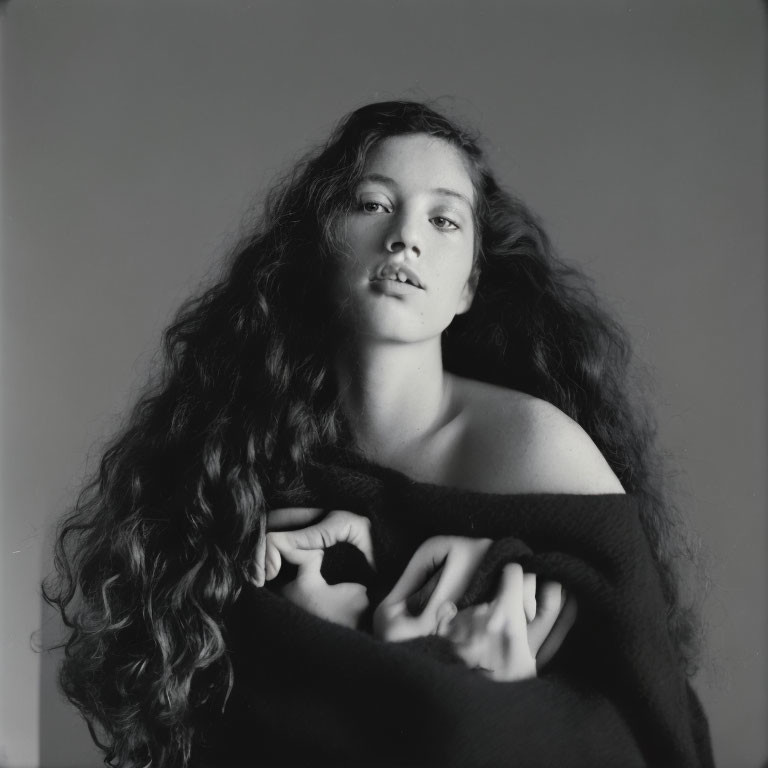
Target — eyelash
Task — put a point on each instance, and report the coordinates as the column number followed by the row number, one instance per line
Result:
column 454, row 226
column 373, row 202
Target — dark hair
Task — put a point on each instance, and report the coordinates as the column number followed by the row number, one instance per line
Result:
column 162, row 538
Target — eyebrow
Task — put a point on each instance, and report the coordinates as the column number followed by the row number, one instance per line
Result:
column 437, row 190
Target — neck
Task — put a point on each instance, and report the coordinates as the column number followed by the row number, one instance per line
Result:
column 393, row 394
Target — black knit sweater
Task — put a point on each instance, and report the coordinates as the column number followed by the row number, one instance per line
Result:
column 309, row 692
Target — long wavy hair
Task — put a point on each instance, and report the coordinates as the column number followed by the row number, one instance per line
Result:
column 162, row 539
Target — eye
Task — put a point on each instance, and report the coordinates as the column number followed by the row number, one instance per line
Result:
column 441, row 222
column 372, row 206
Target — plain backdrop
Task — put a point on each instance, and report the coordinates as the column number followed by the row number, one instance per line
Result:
column 136, row 135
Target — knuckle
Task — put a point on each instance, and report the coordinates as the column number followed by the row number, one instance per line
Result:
column 349, row 517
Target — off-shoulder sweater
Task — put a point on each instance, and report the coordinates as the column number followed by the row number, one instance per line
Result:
column 308, row 692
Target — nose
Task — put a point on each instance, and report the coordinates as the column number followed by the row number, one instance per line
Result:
column 403, row 236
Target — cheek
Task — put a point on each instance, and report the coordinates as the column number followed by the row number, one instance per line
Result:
column 454, row 271
column 361, row 238
column 352, row 261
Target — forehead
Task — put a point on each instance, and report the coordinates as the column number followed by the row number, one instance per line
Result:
column 421, row 162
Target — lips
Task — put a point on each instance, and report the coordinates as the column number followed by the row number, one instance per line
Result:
column 394, row 288
column 399, row 274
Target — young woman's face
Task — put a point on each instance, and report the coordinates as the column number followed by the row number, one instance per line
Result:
column 404, row 273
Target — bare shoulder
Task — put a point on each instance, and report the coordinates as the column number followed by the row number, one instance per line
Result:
column 515, row 443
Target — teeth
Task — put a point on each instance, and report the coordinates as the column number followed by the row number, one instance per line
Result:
column 398, row 276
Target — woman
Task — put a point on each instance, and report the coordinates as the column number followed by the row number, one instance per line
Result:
column 465, row 457
column 408, row 267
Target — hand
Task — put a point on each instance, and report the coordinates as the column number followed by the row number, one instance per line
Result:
column 438, row 573
column 516, row 633
column 340, row 603
column 335, row 527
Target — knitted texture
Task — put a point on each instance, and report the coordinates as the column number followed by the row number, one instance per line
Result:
column 309, row 692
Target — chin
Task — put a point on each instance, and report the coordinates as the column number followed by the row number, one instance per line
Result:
column 393, row 321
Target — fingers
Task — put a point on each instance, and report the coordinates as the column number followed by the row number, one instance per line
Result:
column 426, row 559
column 491, row 637
column 563, row 623
column 550, row 603
column 449, row 588
column 293, row 546
column 340, row 603
column 417, row 601
column 445, row 615
column 392, row 621
column 456, row 557
column 301, row 557
column 459, row 566
column 272, row 559
column 261, row 554
column 352, row 528
column 268, row 559
column 529, row 595
column 286, row 542
column 520, row 630
column 292, row 517
column 469, row 630
column 499, row 640
column 508, row 611
column 448, row 562
column 338, row 526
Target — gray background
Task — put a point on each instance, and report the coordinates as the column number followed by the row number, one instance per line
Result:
column 135, row 136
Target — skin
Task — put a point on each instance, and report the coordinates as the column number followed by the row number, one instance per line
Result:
column 389, row 370
column 507, row 639
column 406, row 412
column 413, row 215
